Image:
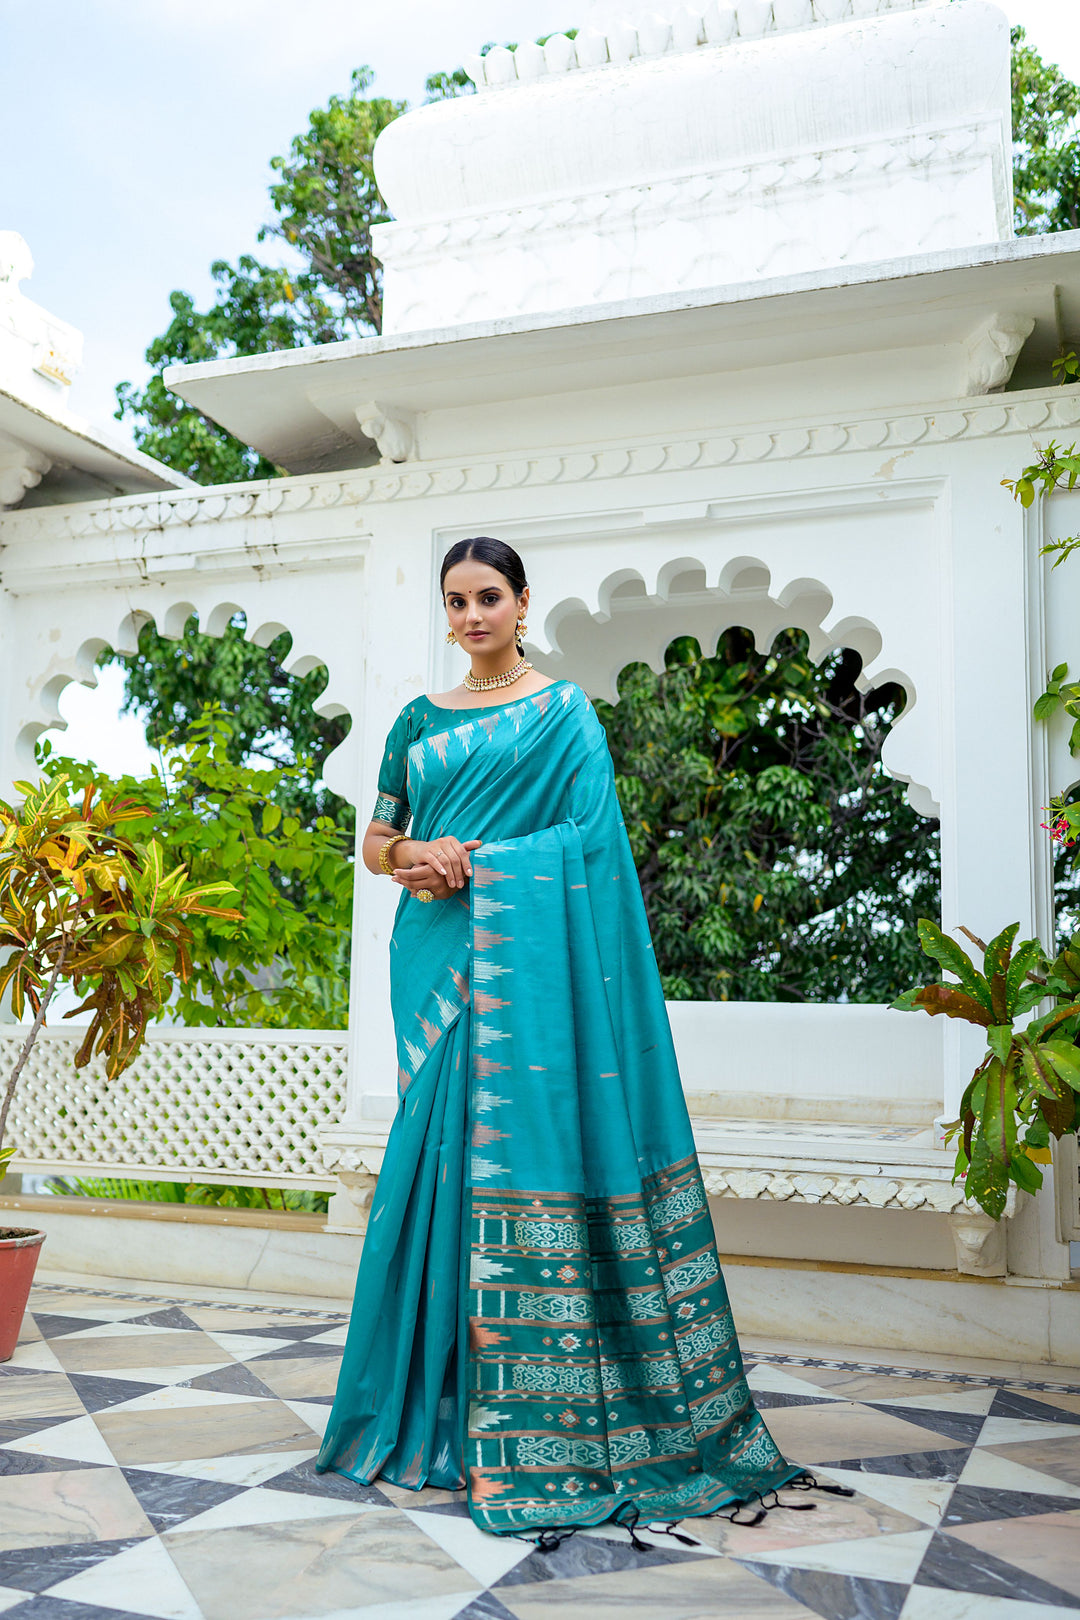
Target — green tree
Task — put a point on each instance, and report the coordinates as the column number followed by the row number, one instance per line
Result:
column 1046, row 152
column 324, row 206
column 169, row 684
column 777, row 860
column 286, row 965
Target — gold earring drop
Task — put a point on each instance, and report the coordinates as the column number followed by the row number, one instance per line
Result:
column 450, row 636
column 522, row 627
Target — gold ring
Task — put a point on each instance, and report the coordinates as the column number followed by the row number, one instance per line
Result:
column 424, row 894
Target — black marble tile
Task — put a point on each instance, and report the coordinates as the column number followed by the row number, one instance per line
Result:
column 485, row 1607
column 589, row 1555
column 767, row 1400
column 171, row 1499
column 941, row 1465
column 340, row 1487
column 294, row 1350
column 292, row 1331
column 978, row 1504
column 171, row 1317
column 54, row 1608
column 1008, row 1405
column 965, row 1426
column 98, row 1392
column 837, row 1597
column 25, row 1462
column 35, row 1569
column 55, row 1327
column 8, row 1371
column 234, row 1380
column 953, row 1566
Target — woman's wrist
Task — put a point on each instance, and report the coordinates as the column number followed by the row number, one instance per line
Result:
column 402, row 853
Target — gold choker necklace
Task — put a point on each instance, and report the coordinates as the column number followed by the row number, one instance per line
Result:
column 486, row 683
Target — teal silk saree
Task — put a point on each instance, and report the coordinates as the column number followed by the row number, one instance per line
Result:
column 540, row 1316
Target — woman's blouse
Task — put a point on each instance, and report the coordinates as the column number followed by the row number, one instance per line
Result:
column 415, row 721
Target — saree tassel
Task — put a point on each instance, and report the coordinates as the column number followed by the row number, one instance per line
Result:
column 670, row 1530
column 628, row 1519
column 549, row 1541
column 806, row 1481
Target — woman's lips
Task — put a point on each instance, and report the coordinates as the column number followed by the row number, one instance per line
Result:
column 476, row 635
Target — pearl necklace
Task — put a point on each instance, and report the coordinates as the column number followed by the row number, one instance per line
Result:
column 487, row 683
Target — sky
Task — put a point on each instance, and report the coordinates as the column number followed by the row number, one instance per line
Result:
column 138, row 135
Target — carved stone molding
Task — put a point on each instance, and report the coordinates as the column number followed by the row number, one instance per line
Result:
column 887, row 1190
column 628, row 32
column 138, row 515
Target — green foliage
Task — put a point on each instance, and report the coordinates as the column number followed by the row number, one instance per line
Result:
column 170, row 683
column 1025, row 1089
column 1046, row 160
column 300, row 1200
column 286, row 968
column 776, row 858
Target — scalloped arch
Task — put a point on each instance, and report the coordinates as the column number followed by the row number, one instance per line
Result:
column 629, row 622
column 81, row 665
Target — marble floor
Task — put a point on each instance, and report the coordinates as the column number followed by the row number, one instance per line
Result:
column 156, row 1462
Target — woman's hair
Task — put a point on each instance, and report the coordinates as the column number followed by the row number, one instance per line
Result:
column 496, row 553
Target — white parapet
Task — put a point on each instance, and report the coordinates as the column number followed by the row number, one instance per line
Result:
column 652, row 160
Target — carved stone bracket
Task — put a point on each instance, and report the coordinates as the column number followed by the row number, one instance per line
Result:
column 993, row 350
column 355, row 1158
column 980, row 1242
column 21, row 468
column 393, row 430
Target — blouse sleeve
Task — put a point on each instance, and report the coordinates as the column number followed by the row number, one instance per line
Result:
column 392, row 804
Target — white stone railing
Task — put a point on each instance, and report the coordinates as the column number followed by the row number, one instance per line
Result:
column 205, row 1105
column 669, row 28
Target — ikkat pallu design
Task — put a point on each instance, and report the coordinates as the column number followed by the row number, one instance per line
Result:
column 605, row 1369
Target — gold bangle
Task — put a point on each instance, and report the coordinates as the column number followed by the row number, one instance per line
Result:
column 384, row 854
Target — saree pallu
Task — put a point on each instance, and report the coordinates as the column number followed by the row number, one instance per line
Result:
column 541, row 1318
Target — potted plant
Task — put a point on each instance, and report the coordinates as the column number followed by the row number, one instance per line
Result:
column 81, row 902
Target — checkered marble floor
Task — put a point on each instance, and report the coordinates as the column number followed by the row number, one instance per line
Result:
column 156, row 1461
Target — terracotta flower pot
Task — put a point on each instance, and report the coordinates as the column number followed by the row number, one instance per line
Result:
column 19, row 1250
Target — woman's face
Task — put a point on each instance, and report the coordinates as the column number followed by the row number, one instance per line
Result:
column 481, row 607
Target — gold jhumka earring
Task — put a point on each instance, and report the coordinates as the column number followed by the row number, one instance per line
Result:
column 450, row 636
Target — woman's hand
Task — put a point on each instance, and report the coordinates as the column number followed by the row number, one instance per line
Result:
column 442, row 866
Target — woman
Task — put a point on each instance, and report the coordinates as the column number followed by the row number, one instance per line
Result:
column 545, row 1322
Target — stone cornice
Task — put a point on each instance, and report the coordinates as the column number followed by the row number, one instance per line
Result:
column 1050, row 411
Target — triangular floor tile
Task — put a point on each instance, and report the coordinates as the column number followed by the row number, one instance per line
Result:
column 1003, row 1474
column 170, row 1499
column 922, row 1499
column 80, row 1438
column 235, row 1379
column 894, row 1559
column 307, row 1330
column 828, row 1594
column 171, row 1317
column 55, row 1327
column 1010, row 1404
column 957, row 1567
column 963, row 1426
column 12, row 1429
column 767, row 1400
column 304, row 1480
column 973, row 1504
column 258, row 1506
column 98, row 1392
column 55, row 1608
column 143, row 1579
column 28, row 1462
column 486, row 1558
column 939, row 1465
column 35, row 1569
column 244, row 1469
column 1005, row 1431
column 485, row 1607
column 591, row 1555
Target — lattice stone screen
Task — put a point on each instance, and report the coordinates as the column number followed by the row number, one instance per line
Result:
column 212, row 1105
